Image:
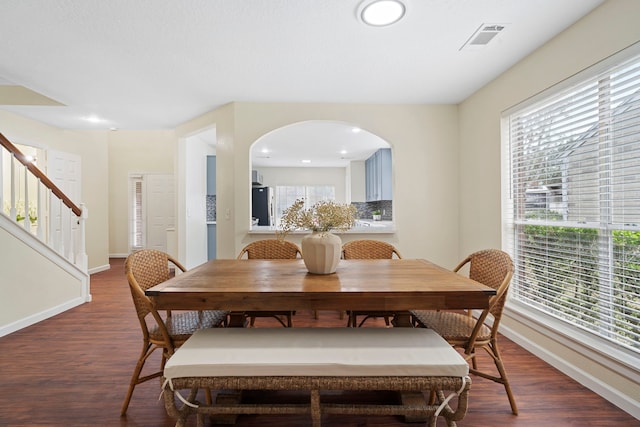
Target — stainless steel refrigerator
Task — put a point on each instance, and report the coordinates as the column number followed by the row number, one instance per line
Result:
column 262, row 205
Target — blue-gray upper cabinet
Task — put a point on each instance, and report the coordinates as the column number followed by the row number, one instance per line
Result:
column 378, row 176
column 211, row 241
column 211, row 175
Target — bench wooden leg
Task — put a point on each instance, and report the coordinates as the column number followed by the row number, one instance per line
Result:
column 315, row 408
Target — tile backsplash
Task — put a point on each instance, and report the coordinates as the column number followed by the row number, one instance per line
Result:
column 365, row 209
column 211, row 208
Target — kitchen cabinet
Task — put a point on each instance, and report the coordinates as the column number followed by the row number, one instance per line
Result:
column 211, row 241
column 211, row 175
column 378, row 176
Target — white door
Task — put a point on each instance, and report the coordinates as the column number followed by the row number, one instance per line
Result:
column 64, row 170
column 159, row 211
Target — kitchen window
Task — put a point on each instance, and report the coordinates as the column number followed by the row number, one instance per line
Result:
column 572, row 217
column 286, row 195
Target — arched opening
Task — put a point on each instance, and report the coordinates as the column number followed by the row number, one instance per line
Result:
column 315, row 160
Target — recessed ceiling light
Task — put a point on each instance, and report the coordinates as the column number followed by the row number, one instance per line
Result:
column 94, row 119
column 380, row 13
column 306, row 161
column 343, row 151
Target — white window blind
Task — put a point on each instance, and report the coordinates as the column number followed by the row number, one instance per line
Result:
column 573, row 209
column 286, row 195
column 136, row 238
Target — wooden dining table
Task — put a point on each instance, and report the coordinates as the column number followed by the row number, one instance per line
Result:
column 396, row 285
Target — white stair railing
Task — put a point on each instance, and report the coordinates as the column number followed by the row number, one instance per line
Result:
column 37, row 204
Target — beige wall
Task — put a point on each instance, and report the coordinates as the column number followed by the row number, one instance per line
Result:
column 92, row 148
column 424, row 143
column 132, row 152
column 608, row 29
column 32, row 286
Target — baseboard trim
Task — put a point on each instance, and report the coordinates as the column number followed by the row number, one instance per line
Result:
column 621, row 400
column 38, row 317
column 118, row 255
column 99, row 269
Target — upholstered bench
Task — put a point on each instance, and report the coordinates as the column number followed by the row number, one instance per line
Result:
column 315, row 360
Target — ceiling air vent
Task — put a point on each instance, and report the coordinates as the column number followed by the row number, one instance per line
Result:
column 483, row 35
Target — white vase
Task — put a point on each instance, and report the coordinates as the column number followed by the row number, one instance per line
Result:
column 321, row 252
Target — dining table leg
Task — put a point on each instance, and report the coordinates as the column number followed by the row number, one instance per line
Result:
column 237, row 319
column 402, row 319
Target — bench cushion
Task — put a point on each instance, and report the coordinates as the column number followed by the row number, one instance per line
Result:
column 245, row 352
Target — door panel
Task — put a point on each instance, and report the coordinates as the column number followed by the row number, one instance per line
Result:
column 64, row 170
column 159, row 212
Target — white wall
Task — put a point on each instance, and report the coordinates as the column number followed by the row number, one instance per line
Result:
column 193, row 237
column 607, row 30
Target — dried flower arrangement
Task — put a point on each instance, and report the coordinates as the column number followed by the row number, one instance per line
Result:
column 323, row 216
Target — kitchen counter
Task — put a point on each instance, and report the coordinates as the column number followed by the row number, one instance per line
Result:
column 362, row 227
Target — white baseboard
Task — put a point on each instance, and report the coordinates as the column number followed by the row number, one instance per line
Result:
column 616, row 397
column 99, row 269
column 37, row 317
column 118, row 255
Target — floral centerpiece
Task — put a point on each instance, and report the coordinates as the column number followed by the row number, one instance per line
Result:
column 322, row 217
column 321, row 249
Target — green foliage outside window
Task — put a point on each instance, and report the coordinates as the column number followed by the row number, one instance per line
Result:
column 599, row 292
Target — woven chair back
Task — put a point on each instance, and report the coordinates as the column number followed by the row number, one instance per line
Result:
column 493, row 268
column 271, row 249
column 144, row 269
column 368, row 249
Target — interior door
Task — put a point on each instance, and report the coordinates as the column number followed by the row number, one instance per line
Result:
column 64, row 170
column 159, row 199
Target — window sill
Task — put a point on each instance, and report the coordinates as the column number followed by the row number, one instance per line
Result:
column 619, row 359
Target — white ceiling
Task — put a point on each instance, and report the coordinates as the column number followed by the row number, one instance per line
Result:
column 154, row 64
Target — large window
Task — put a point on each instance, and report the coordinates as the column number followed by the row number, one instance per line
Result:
column 573, row 208
column 286, row 195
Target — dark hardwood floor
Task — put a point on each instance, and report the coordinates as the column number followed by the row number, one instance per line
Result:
column 74, row 369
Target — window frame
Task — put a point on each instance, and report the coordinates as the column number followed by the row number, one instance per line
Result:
column 304, row 194
column 621, row 359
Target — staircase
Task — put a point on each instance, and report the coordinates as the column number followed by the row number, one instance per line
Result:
column 43, row 262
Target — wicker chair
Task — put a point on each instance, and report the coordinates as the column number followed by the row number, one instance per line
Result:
column 271, row 249
column 368, row 249
column 144, row 269
column 492, row 268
